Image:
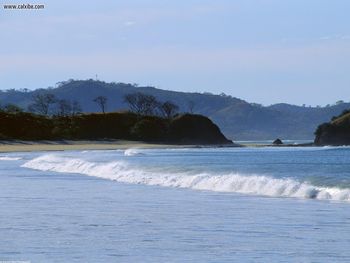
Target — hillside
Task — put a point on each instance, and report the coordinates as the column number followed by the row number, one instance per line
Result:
column 238, row 119
column 182, row 129
column 336, row 132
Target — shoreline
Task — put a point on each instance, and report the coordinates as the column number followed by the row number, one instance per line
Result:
column 68, row 145
column 279, row 145
column 7, row 146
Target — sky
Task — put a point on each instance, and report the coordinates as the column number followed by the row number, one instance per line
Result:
column 262, row 51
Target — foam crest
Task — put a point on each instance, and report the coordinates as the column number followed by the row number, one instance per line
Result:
column 132, row 152
column 7, row 158
column 247, row 184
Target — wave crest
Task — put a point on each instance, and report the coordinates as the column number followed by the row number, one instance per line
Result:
column 132, row 152
column 7, row 158
column 247, row 184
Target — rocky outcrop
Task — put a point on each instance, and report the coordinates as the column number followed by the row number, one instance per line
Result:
column 277, row 142
column 195, row 129
column 336, row 132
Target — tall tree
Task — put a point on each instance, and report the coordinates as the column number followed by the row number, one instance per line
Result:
column 42, row 103
column 64, row 108
column 142, row 104
column 12, row 108
column 68, row 108
column 101, row 102
column 76, row 108
column 169, row 109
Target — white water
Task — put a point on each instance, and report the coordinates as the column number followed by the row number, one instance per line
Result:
column 132, row 152
column 230, row 182
column 7, row 158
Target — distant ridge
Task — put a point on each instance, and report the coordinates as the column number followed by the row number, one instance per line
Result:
column 238, row 119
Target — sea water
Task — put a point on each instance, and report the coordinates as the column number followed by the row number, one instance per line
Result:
column 265, row 204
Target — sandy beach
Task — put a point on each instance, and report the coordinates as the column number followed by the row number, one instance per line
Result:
column 28, row 146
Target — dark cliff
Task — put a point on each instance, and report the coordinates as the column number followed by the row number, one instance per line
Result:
column 336, row 132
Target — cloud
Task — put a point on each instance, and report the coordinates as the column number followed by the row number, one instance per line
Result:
column 129, row 23
column 336, row 37
column 345, row 37
column 175, row 59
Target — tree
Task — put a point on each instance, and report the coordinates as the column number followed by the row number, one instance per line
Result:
column 41, row 103
column 169, row 109
column 149, row 129
column 76, row 108
column 64, row 108
column 12, row 108
column 68, row 108
column 256, row 104
column 142, row 104
column 101, row 102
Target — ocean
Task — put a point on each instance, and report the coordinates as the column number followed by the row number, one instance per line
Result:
column 265, row 204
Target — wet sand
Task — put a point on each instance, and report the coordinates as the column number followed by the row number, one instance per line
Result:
column 28, row 146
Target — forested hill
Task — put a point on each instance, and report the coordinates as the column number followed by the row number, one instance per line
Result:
column 335, row 132
column 238, row 119
column 188, row 129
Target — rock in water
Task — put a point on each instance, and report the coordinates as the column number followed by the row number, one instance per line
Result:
column 277, row 142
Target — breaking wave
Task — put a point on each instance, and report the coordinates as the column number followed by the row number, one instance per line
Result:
column 132, row 152
column 246, row 184
column 7, row 158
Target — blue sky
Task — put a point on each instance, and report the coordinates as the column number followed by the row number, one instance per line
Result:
column 264, row 51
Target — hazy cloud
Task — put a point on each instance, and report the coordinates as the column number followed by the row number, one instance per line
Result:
column 129, row 23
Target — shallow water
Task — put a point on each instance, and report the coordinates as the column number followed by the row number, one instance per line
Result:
column 175, row 205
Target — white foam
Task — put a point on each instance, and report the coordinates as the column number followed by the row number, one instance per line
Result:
column 132, row 152
column 246, row 184
column 7, row 158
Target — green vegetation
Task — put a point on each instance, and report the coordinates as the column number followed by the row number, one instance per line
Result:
column 50, row 118
column 336, row 132
column 238, row 119
column 101, row 102
column 183, row 129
